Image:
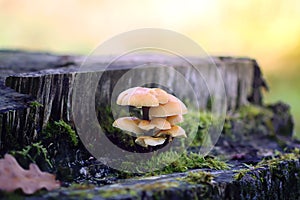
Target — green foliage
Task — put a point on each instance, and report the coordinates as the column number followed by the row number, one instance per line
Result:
column 55, row 146
column 199, row 177
column 35, row 104
column 32, row 152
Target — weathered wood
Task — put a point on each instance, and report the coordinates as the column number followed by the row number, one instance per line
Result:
column 17, row 124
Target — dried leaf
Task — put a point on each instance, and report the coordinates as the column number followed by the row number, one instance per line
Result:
column 13, row 176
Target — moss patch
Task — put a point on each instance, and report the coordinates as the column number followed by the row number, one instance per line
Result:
column 241, row 173
column 280, row 157
column 272, row 162
column 117, row 192
column 54, row 150
column 183, row 163
column 60, row 130
column 134, row 191
column 199, row 125
column 200, row 177
column 252, row 111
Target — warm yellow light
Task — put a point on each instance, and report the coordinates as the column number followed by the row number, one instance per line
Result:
column 266, row 30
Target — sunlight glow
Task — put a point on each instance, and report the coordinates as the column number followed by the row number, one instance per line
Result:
column 267, row 30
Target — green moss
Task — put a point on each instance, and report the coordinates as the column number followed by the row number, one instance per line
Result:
column 273, row 162
column 227, row 127
column 153, row 187
column 110, row 193
column 280, row 157
column 158, row 186
column 248, row 122
column 254, row 119
column 120, row 138
column 79, row 194
column 198, row 124
column 252, row 111
column 60, row 129
column 296, row 151
column 241, row 173
column 174, row 162
column 199, row 177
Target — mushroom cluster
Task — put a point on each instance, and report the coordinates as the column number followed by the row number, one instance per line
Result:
column 160, row 114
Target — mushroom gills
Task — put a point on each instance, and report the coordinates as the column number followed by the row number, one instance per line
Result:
column 129, row 124
column 146, row 141
column 175, row 132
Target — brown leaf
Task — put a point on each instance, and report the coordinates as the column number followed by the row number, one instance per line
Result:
column 13, row 176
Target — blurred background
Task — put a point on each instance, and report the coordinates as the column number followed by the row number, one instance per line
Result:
column 268, row 31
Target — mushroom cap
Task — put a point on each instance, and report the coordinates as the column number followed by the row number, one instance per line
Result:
column 175, row 119
column 141, row 96
column 159, row 123
column 137, row 97
column 128, row 124
column 145, row 125
column 124, row 94
column 160, row 94
column 173, row 107
column 146, row 141
column 175, row 131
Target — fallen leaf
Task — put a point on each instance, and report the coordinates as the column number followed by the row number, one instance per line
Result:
column 13, row 176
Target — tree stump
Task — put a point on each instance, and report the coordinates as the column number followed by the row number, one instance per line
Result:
column 36, row 94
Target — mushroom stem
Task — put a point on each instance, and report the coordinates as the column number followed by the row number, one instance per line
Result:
column 145, row 111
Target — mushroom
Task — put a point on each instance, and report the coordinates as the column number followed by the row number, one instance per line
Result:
column 146, row 125
column 146, row 141
column 175, row 132
column 159, row 123
column 142, row 97
column 160, row 94
column 173, row 107
column 175, row 119
column 128, row 124
column 161, row 111
column 138, row 97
